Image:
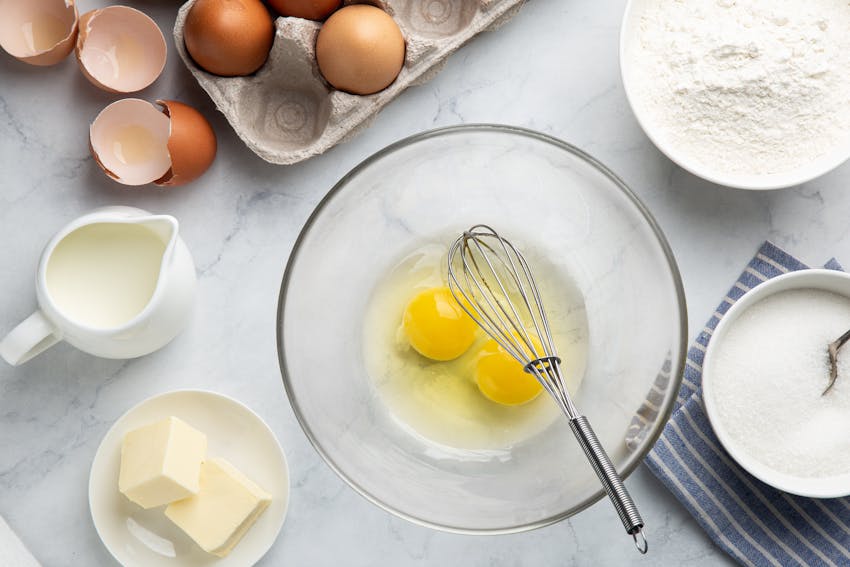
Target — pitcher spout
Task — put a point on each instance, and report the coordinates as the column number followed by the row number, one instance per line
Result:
column 165, row 227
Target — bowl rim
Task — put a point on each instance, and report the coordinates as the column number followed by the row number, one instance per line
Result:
column 808, row 278
column 676, row 369
column 764, row 182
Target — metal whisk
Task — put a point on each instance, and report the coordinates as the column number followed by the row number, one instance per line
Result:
column 491, row 280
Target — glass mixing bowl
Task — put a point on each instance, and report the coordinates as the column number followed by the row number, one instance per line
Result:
column 550, row 199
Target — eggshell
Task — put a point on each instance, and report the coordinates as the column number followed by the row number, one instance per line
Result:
column 360, row 49
column 229, row 37
column 191, row 144
column 105, row 134
column 58, row 19
column 307, row 9
column 136, row 143
column 120, row 49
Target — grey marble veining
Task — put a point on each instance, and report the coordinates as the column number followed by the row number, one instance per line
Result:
column 553, row 68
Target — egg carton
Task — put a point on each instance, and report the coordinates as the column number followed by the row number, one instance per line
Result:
column 286, row 112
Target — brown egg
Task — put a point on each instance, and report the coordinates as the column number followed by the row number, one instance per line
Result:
column 360, row 49
column 136, row 143
column 229, row 37
column 38, row 32
column 191, row 144
column 308, row 9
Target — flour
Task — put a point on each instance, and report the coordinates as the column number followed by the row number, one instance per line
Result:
column 746, row 86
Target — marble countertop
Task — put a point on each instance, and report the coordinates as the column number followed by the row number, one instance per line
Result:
column 553, row 68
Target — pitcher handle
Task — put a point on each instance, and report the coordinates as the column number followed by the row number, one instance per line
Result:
column 33, row 336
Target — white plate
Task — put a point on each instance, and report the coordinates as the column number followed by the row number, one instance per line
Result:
column 146, row 538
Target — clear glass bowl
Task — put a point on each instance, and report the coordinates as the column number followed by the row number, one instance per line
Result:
column 537, row 191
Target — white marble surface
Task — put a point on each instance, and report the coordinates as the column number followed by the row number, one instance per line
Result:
column 553, row 68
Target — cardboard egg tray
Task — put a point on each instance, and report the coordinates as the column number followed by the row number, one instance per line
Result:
column 286, row 112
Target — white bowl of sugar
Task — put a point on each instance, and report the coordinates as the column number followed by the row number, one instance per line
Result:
column 764, row 379
column 750, row 94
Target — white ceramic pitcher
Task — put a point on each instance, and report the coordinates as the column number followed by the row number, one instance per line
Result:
column 144, row 305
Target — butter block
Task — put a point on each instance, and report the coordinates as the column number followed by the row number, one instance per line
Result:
column 223, row 511
column 161, row 462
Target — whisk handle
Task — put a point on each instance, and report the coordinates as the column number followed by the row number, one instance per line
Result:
column 611, row 481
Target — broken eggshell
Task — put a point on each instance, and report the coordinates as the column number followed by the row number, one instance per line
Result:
column 38, row 32
column 120, row 49
column 136, row 143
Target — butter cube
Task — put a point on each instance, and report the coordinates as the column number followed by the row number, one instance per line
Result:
column 223, row 511
column 161, row 462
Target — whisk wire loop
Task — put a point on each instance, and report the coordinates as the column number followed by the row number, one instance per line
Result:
column 537, row 312
column 511, row 314
column 505, row 269
column 492, row 310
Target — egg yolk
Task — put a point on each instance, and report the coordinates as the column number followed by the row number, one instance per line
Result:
column 502, row 379
column 436, row 325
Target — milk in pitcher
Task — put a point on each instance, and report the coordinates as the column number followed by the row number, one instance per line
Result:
column 104, row 274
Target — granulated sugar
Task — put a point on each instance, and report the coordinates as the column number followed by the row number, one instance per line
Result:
column 767, row 377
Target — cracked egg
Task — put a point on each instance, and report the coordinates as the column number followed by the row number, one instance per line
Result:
column 38, row 32
column 136, row 143
column 120, row 49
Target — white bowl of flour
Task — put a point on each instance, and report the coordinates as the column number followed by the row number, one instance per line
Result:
column 764, row 378
column 753, row 94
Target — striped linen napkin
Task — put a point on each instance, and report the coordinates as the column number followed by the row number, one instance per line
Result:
column 754, row 523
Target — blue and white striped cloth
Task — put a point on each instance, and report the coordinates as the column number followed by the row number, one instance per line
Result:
column 754, row 523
